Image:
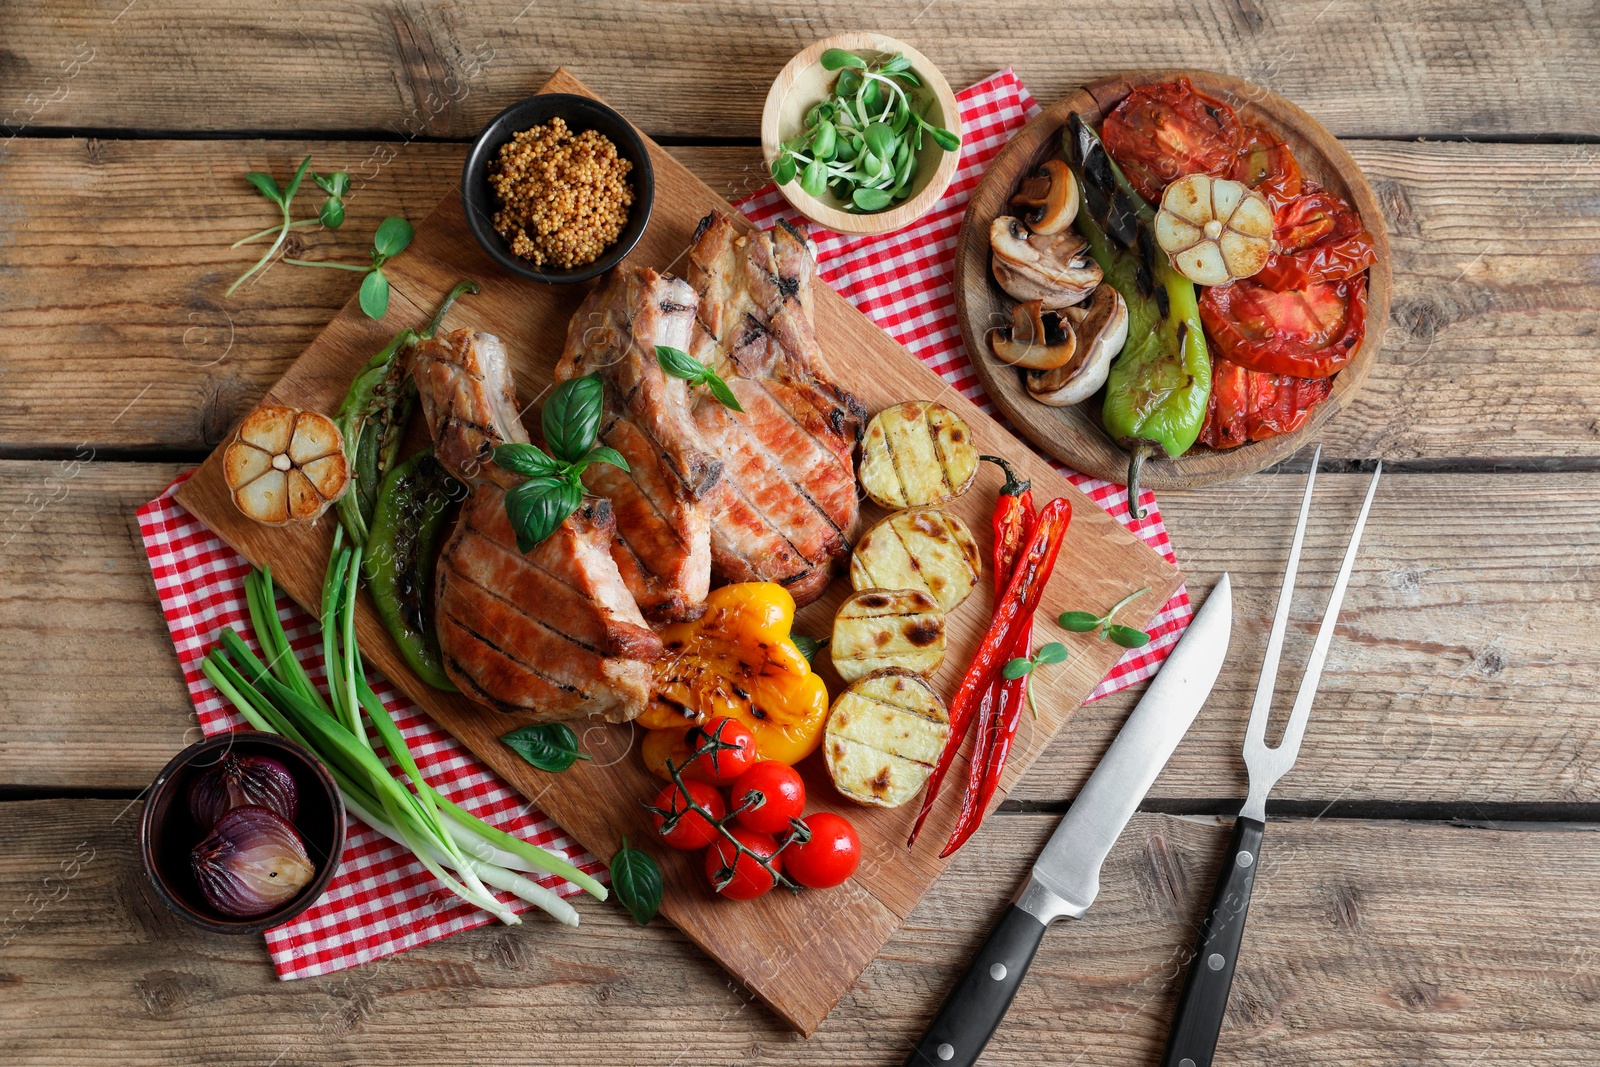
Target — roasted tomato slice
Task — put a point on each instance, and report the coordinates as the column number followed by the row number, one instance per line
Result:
column 1319, row 238
column 1304, row 333
column 1161, row 132
column 1266, row 164
column 1249, row 406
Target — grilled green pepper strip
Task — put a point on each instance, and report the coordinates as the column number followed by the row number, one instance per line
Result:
column 1158, row 388
column 372, row 420
column 414, row 503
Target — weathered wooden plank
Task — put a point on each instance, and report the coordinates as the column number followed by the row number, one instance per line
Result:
column 1366, row 946
column 1466, row 666
column 1361, row 66
column 116, row 255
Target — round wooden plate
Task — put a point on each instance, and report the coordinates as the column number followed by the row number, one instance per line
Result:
column 1073, row 435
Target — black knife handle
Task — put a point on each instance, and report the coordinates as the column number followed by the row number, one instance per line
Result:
column 1198, row 1019
column 979, row 1001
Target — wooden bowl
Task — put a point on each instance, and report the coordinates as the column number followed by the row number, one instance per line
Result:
column 167, row 831
column 804, row 82
column 1074, row 435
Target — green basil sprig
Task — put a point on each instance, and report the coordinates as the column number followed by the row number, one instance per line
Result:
column 861, row 142
column 551, row 746
column 571, row 422
column 809, row 646
column 1083, row 622
column 636, row 879
column 679, row 364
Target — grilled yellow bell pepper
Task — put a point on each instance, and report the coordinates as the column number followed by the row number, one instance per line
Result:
column 737, row 660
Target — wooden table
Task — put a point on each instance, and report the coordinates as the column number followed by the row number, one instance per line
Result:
column 1432, row 892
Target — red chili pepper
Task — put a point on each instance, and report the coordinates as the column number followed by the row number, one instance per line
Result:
column 998, row 718
column 1014, row 611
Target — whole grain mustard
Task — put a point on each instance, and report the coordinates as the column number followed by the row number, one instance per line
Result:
column 563, row 197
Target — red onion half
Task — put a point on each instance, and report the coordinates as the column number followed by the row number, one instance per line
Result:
column 251, row 863
column 235, row 781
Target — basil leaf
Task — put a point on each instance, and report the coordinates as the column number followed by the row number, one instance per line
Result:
column 1054, row 652
column 1127, row 636
column 539, row 506
column 809, row 646
column 265, row 183
column 724, row 395
column 680, row 364
column 636, row 878
column 394, row 234
column 1078, row 622
column 601, row 454
column 551, row 746
column 571, row 417
column 1017, row 668
column 836, row 58
column 531, row 460
column 870, row 199
column 375, row 294
column 294, row 183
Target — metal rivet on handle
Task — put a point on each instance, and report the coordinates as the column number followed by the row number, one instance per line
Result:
column 997, row 972
column 945, row 1052
column 1186, row 1062
column 1245, row 859
column 1215, row 961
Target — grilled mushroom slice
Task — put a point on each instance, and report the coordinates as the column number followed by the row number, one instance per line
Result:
column 1052, row 193
column 1054, row 269
column 285, row 465
column 1037, row 339
column 1101, row 326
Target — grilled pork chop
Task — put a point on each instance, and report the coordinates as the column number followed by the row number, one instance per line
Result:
column 553, row 633
column 786, row 506
column 663, row 541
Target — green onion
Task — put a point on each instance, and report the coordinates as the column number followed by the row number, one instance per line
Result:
column 463, row 852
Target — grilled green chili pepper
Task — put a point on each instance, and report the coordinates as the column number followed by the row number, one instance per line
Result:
column 414, row 502
column 1158, row 388
column 372, row 420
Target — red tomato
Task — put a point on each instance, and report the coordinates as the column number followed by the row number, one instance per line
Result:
column 1318, row 238
column 1266, row 164
column 690, row 829
column 1303, row 333
column 776, row 795
column 1162, row 132
column 1246, row 405
column 738, row 876
column 724, row 749
column 831, row 855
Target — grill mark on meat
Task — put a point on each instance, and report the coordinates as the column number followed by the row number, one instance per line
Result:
column 760, row 446
column 565, row 687
column 492, row 594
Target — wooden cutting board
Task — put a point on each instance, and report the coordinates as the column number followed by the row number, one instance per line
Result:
column 801, row 952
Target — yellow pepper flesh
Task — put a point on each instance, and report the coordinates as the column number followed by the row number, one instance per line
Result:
column 737, row 660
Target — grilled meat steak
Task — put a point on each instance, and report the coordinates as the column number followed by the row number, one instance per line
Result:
column 785, row 509
column 663, row 525
column 547, row 635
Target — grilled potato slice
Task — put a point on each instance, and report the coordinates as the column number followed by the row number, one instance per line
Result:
column 878, row 628
column 924, row 549
column 915, row 454
column 884, row 737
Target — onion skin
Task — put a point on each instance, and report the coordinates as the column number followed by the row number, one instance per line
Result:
column 253, row 862
column 239, row 780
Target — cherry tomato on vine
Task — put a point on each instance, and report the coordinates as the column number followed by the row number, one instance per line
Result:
column 831, row 855
column 691, row 830
column 724, row 749
column 749, row 879
column 782, row 797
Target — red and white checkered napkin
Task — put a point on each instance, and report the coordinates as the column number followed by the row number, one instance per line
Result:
column 382, row 901
column 901, row 281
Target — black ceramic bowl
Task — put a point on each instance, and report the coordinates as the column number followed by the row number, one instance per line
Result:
column 579, row 113
column 167, row 832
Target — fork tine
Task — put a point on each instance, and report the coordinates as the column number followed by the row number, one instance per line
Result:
column 1330, row 618
column 1256, row 733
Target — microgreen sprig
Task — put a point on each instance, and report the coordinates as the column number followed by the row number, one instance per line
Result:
column 677, row 363
column 861, row 143
column 332, row 214
column 571, row 422
column 1054, row 652
column 1082, row 622
column 393, row 235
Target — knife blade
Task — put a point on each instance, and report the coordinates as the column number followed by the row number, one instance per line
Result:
column 1066, row 876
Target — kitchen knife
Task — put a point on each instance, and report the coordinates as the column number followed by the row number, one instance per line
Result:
column 1066, row 876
